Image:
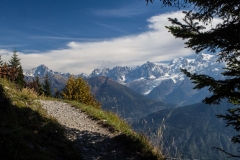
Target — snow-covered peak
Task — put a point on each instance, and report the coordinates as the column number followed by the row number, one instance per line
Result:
column 42, row 70
column 36, row 71
column 202, row 63
column 205, row 57
column 178, row 63
column 99, row 72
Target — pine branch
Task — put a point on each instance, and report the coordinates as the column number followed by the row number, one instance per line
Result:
column 230, row 155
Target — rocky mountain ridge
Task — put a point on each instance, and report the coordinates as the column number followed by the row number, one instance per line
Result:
column 156, row 81
column 152, row 74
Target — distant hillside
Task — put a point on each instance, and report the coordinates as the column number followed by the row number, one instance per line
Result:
column 192, row 131
column 122, row 100
column 181, row 94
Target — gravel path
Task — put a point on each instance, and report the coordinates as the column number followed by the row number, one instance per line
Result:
column 94, row 141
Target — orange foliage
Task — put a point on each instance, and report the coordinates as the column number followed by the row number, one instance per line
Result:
column 8, row 72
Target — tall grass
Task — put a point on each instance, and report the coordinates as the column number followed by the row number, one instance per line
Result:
column 166, row 146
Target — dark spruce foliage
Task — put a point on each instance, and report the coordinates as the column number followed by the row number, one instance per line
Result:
column 14, row 62
column 1, row 61
column 20, row 78
column 223, row 39
column 36, row 85
column 47, row 86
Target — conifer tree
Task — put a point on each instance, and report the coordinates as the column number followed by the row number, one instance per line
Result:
column 57, row 94
column 47, row 86
column 15, row 63
column 20, row 78
column 36, row 86
column 1, row 61
column 39, row 86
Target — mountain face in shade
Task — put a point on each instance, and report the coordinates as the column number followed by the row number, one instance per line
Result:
column 191, row 131
column 120, row 99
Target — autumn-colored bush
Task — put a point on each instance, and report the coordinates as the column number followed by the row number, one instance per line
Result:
column 78, row 89
column 8, row 72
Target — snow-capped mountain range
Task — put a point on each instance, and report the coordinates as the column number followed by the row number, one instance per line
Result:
column 149, row 76
column 152, row 74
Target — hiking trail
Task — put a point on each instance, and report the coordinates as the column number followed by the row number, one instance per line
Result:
column 94, row 141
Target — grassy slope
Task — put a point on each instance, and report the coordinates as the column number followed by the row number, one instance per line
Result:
column 26, row 132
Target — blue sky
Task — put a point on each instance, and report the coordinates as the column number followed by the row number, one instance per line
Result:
column 77, row 36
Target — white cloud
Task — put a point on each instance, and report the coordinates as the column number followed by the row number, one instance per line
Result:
column 154, row 45
column 5, row 55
